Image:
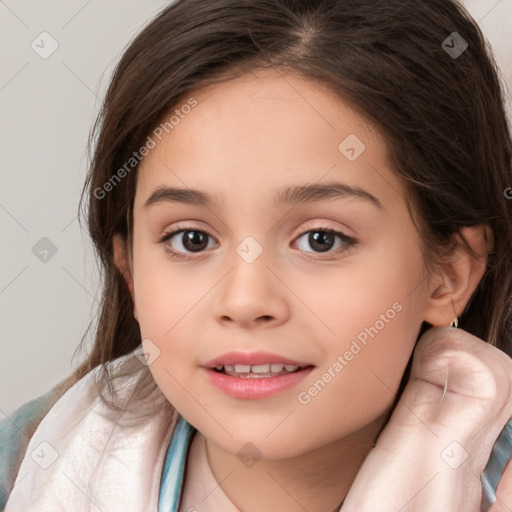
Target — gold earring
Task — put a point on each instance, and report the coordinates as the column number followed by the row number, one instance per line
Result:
column 455, row 323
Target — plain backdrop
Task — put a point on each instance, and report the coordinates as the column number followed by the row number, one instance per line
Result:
column 49, row 283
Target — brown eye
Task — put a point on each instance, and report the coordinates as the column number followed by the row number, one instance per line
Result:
column 194, row 240
column 321, row 240
column 186, row 240
column 324, row 239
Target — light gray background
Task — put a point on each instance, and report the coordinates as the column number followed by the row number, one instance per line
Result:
column 47, row 107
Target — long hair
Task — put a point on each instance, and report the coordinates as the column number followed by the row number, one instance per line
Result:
column 440, row 111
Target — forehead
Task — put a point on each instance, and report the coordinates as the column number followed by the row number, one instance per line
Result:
column 262, row 132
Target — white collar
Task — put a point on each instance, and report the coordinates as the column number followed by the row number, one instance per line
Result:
column 83, row 457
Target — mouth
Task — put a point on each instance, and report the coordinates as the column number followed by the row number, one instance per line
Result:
column 252, row 382
column 255, row 375
column 259, row 371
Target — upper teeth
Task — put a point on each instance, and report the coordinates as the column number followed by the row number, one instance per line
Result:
column 257, row 368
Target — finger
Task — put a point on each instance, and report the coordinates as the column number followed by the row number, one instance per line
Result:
column 472, row 367
column 439, row 342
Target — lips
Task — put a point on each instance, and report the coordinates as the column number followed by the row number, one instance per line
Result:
column 252, row 359
column 255, row 375
column 251, row 386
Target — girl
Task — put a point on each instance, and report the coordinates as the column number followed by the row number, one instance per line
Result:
column 291, row 200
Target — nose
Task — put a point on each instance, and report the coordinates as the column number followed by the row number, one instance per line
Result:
column 251, row 294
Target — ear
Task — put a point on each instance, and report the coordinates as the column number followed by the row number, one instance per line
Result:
column 123, row 261
column 457, row 279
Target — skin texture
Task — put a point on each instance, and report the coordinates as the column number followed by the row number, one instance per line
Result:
column 244, row 140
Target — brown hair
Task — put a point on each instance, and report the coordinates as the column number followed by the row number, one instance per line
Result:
column 442, row 117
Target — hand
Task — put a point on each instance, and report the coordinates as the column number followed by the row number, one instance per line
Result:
column 439, row 438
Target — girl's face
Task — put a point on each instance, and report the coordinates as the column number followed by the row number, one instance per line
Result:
column 259, row 274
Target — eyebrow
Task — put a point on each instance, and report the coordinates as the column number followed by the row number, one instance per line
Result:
column 307, row 193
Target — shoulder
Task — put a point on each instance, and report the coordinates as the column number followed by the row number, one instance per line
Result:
column 17, row 428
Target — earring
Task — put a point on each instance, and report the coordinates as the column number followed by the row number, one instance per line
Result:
column 455, row 323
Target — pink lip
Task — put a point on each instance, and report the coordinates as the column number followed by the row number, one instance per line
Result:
column 251, row 358
column 254, row 388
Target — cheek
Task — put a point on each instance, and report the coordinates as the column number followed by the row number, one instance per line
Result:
column 375, row 321
column 165, row 291
column 165, row 295
column 173, row 303
column 168, row 317
column 364, row 367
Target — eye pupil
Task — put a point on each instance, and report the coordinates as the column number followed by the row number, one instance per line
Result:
column 318, row 238
column 194, row 237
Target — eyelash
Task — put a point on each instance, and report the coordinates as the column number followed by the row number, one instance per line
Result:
column 349, row 241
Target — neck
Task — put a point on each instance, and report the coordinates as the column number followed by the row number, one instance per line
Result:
column 317, row 481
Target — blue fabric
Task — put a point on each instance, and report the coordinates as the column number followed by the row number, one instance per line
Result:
column 500, row 455
column 174, row 466
column 15, row 433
